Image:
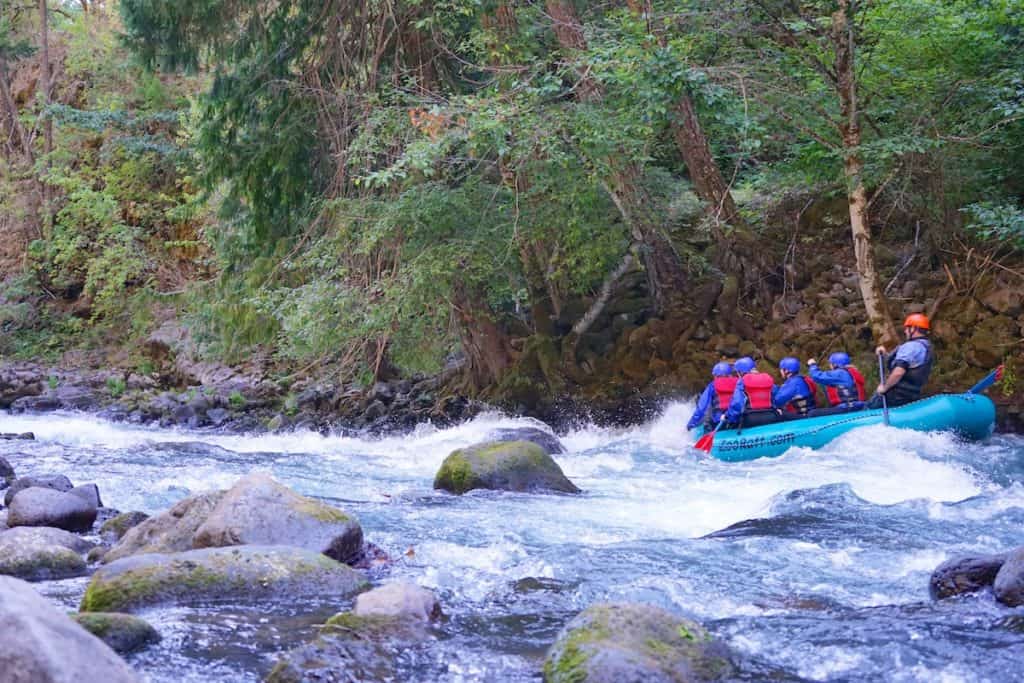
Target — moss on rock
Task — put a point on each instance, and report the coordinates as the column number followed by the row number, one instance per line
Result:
column 124, row 633
column 504, row 466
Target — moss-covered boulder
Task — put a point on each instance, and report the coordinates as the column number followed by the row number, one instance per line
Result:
column 964, row 575
column 1008, row 585
column 42, row 554
column 611, row 643
column 169, row 532
column 545, row 439
column 502, row 466
column 124, row 633
column 236, row 574
column 42, row 644
column 258, row 510
column 114, row 529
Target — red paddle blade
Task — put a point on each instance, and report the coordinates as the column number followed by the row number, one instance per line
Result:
column 999, row 374
column 705, row 442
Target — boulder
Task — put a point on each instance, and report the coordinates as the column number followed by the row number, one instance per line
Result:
column 258, row 510
column 1009, row 582
column 46, row 507
column 633, row 642
column 43, row 645
column 401, row 599
column 503, row 466
column 6, row 474
column 124, row 633
column 546, row 440
column 114, row 529
column 90, row 493
column 57, row 482
column 241, row 573
column 964, row 575
column 169, row 532
column 42, row 554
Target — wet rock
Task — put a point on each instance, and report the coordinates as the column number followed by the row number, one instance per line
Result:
column 114, row 529
column 18, row 380
column 37, row 506
column 964, row 575
column 217, row 416
column 7, row 475
column 633, row 642
column 240, row 573
column 381, row 391
column 23, row 436
column 43, row 645
column 57, row 482
column 124, row 633
column 42, row 554
column 3, row 520
column 503, row 466
column 169, row 532
column 401, row 599
column 35, row 404
column 258, row 510
column 90, row 493
column 1009, row 582
column 546, row 440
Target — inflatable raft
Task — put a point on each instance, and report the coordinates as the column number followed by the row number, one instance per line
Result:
column 972, row 416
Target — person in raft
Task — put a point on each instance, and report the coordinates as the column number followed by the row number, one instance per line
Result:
column 797, row 393
column 716, row 396
column 844, row 385
column 751, row 402
column 909, row 365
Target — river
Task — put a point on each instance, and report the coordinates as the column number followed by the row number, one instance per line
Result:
column 829, row 581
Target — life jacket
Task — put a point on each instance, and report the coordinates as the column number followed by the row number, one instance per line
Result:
column 909, row 387
column 847, row 395
column 803, row 404
column 758, row 386
column 724, row 388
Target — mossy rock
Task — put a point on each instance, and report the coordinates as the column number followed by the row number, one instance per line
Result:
column 236, row 574
column 610, row 643
column 42, row 553
column 502, row 466
column 124, row 633
column 168, row 532
column 114, row 529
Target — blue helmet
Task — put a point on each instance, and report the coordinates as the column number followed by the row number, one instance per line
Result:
column 840, row 359
column 722, row 369
column 789, row 364
column 745, row 364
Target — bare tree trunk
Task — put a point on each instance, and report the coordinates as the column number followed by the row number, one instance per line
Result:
column 18, row 141
column 44, row 72
column 853, row 167
column 486, row 345
column 665, row 275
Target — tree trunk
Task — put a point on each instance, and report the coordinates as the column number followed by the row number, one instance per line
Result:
column 487, row 347
column 665, row 275
column 853, row 167
column 44, row 75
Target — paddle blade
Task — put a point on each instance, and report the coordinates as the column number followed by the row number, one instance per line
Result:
column 989, row 380
column 705, row 442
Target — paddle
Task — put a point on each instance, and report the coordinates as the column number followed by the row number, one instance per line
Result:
column 881, row 378
column 705, row 442
column 990, row 379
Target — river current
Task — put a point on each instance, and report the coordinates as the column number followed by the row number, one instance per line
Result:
column 825, row 579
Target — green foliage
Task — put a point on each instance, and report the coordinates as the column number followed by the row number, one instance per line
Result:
column 115, row 386
column 995, row 221
column 236, row 400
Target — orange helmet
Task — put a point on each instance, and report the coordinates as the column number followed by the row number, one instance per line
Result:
column 918, row 320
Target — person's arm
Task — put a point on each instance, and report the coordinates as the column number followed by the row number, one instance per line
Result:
column 830, row 378
column 738, row 403
column 786, row 393
column 703, row 403
column 892, row 380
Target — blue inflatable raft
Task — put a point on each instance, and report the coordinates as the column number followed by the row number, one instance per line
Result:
column 972, row 416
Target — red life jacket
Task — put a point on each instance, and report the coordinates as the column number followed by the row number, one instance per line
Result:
column 847, row 395
column 724, row 388
column 758, row 386
column 801, row 404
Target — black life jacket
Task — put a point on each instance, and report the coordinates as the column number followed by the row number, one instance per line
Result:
column 909, row 387
column 801, row 405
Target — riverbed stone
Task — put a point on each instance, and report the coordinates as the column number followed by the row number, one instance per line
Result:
column 37, row 506
column 502, row 466
column 90, row 493
column 239, row 573
column 1008, row 585
column 114, row 529
column 546, row 440
column 57, row 482
column 964, row 575
column 41, row 644
column 260, row 511
column 124, row 633
column 42, row 553
column 169, row 532
column 400, row 599
column 7, row 475
column 615, row 643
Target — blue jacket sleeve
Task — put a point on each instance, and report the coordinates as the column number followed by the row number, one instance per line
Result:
column 789, row 390
column 703, row 403
column 738, row 403
column 831, row 378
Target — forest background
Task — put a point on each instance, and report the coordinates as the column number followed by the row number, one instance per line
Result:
column 547, row 205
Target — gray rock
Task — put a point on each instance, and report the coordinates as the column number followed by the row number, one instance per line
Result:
column 7, row 476
column 381, row 391
column 634, row 643
column 240, row 573
column 503, row 466
column 401, row 599
column 23, row 436
column 57, row 482
column 546, row 440
column 76, row 398
column 964, row 575
column 41, row 554
column 169, row 532
column 46, row 507
column 43, row 645
column 3, row 520
column 1009, row 582
column 182, row 414
column 217, row 416
column 258, row 510
column 90, row 493
column 114, row 529
column 124, row 633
